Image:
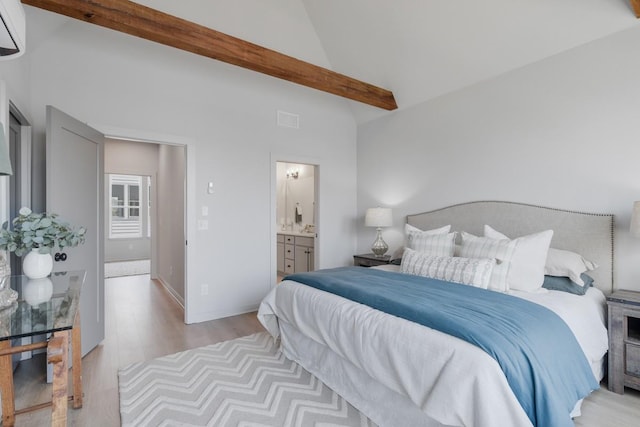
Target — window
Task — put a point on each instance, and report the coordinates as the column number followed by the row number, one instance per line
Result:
column 128, row 199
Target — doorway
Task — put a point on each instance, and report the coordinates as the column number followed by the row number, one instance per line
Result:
column 20, row 181
column 145, row 210
column 296, row 213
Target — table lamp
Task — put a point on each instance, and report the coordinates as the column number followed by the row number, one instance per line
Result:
column 378, row 217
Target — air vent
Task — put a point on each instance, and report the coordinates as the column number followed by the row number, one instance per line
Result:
column 288, row 120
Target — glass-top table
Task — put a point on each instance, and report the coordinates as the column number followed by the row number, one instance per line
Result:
column 44, row 306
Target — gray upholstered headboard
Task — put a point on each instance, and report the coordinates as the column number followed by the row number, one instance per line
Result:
column 588, row 234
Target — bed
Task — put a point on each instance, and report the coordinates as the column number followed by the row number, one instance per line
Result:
column 401, row 373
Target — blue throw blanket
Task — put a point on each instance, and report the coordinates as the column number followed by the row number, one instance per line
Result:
column 539, row 355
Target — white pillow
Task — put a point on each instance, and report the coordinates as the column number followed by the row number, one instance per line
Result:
column 529, row 258
column 567, row 264
column 467, row 271
column 484, row 247
column 437, row 244
column 433, row 242
column 411, row 229
column 414, row 234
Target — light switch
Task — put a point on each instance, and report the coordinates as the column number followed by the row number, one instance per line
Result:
column 210, row 187
column 205, row 210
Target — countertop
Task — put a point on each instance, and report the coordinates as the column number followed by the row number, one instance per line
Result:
column 296, row 233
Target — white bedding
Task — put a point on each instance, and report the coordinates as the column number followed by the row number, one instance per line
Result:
column 388, row 367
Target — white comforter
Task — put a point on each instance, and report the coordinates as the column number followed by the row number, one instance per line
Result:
column 362, row 352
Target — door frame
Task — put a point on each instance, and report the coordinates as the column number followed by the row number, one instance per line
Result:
column 138, row 135
column 293, row 158
column 7, row 106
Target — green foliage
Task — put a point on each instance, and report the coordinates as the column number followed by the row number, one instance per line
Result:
column 39, row 231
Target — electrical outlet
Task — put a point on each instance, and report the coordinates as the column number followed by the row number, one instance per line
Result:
column 204, row 289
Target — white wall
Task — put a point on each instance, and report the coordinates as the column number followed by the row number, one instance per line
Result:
column 562, row 133
column 229, row 116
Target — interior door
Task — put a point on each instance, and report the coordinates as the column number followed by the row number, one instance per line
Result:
column 75, row 179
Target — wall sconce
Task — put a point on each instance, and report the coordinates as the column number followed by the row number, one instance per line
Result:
column 293, row 173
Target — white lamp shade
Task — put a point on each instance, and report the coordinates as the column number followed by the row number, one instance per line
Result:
column 378, row 217
column 635, row 220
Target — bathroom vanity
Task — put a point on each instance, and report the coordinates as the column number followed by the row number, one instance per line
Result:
column 295, row 252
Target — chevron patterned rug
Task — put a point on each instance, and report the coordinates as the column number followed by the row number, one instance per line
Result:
column 243, row 382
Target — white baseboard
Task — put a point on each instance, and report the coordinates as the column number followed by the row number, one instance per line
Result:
column 219, row 314
column 171, row 291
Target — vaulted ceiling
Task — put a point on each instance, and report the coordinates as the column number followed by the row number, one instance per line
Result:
column 418, row 49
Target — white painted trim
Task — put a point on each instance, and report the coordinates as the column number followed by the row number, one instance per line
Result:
column 190, row 190
column 25, row 167
column 293, row 158
column 171, row 291
column 4, row 181
column 220, row 314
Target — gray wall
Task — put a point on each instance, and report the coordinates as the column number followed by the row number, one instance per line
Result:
column 227, row 118
column 170, row 234
column 562, row 132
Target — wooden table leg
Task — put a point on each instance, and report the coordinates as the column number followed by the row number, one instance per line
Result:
column 76, row 369
column 6, row 386
column 58, row 355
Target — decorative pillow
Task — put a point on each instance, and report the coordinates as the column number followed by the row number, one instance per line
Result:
column 433, row 242
column 414, row 233
column 467, row 271
column 527, row 265
column 484, row 247
column 557, row 283
column 411, row 229
column 567, row 264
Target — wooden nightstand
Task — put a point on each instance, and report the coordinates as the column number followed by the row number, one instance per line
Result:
column 370, row 260
column 624, row 340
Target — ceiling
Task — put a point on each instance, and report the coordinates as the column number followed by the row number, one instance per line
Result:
column 419, row 49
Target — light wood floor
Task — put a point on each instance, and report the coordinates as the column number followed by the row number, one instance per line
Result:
column 144, row 322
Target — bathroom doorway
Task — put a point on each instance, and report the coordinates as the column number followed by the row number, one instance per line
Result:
column 296, row 218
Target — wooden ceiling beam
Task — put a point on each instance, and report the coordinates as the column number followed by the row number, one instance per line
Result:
column 151, row 24
column 635, row 4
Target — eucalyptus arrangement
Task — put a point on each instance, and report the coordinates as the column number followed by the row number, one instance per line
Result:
column 40, row 231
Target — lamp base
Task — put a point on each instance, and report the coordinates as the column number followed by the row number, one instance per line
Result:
column 379, row 247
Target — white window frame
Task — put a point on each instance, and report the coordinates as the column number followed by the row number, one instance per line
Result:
column 126, row 181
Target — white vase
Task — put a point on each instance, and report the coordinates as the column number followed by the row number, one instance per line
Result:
column 37, row 291
column 36, row 265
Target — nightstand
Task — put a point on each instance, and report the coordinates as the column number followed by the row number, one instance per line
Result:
column 624, row 340
column 370, row 260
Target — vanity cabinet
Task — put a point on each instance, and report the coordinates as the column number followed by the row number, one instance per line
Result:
column 304, row 254
column 280, row 247
column 295, row 253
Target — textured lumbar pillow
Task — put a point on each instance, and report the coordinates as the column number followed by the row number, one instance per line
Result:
column 467, row 271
